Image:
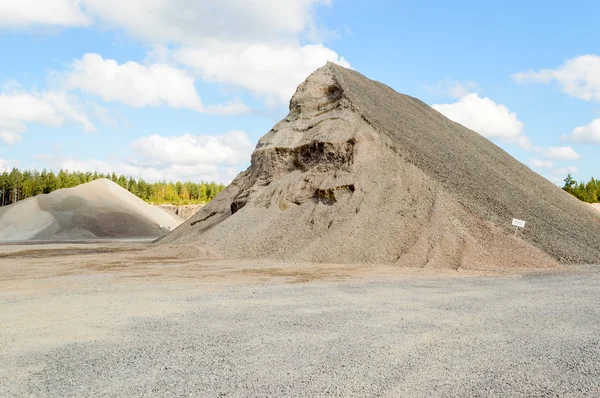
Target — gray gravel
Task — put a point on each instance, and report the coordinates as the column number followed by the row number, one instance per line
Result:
column 357, row 173
column 537, row 335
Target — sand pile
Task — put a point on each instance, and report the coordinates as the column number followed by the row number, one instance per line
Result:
column 98, row 209
column 357, row 173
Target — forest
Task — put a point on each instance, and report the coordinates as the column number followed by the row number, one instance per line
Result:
column 588, row 192
column 17, row 185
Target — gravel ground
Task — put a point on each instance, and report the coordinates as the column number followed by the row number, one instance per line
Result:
column 404, row 335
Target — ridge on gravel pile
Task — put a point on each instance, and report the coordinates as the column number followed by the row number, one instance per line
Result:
column 98, row 209
column 358, row 173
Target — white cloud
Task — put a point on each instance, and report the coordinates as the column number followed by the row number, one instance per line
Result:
column 489, row 119
column 557, row 175
column 200, row 172
column 540, row 163
column 132, row 83
column 452, row 89
column 265, row 46
column 188, row 157
column 556, row 180
column 68, row 108
column 270, row 71
column 578, row 77
column 459, row 90
column 102, row 115
column 231, row 149
column 139, row 85
column 10, row 136
column 251, row 45
column 588, row 134
column 187, row 21
column 560, row 153
column 174, row 21
column 21, row 13
column 566, row 170
column 52, row 109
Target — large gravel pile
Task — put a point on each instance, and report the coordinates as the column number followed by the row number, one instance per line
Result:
column 98, row 209
column 357, row 173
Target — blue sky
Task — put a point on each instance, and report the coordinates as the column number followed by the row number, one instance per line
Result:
column 183, row 89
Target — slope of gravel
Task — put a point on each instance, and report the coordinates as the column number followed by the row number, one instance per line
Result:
column 535, row 336
column 98, row 209
column 357, row 173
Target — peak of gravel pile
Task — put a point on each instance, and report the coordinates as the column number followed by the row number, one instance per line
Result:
column 358, row 173
column 98, row 209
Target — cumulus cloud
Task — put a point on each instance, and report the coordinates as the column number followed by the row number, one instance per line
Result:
column 452, row 89
column 578, row 77
column 139, row 85
column 540, row 163
column 251, row 45
column 230, row 149
column 560, row 153
column 22, row 13
column 51, row 109
column 187, row 21
column 270, row 71
column 174, row 21
column 492, row 120
column 187, row 157
column 588, row 134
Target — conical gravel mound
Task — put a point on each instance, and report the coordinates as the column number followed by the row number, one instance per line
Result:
column 99, row 209
column 358, row 173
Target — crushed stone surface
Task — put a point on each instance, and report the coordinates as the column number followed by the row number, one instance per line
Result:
column 508, row 336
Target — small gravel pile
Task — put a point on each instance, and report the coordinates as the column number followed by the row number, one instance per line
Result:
column 98, row 209
column 358, row 173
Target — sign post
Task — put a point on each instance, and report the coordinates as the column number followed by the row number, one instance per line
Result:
column 518, row 224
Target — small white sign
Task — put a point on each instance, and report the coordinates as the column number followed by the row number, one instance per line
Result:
column 518, row 223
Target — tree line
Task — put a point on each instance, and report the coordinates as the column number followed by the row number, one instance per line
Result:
column 587, row 192
column 17, row 185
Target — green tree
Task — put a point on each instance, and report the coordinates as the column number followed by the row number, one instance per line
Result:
column 18, row 185
column 569, row 183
